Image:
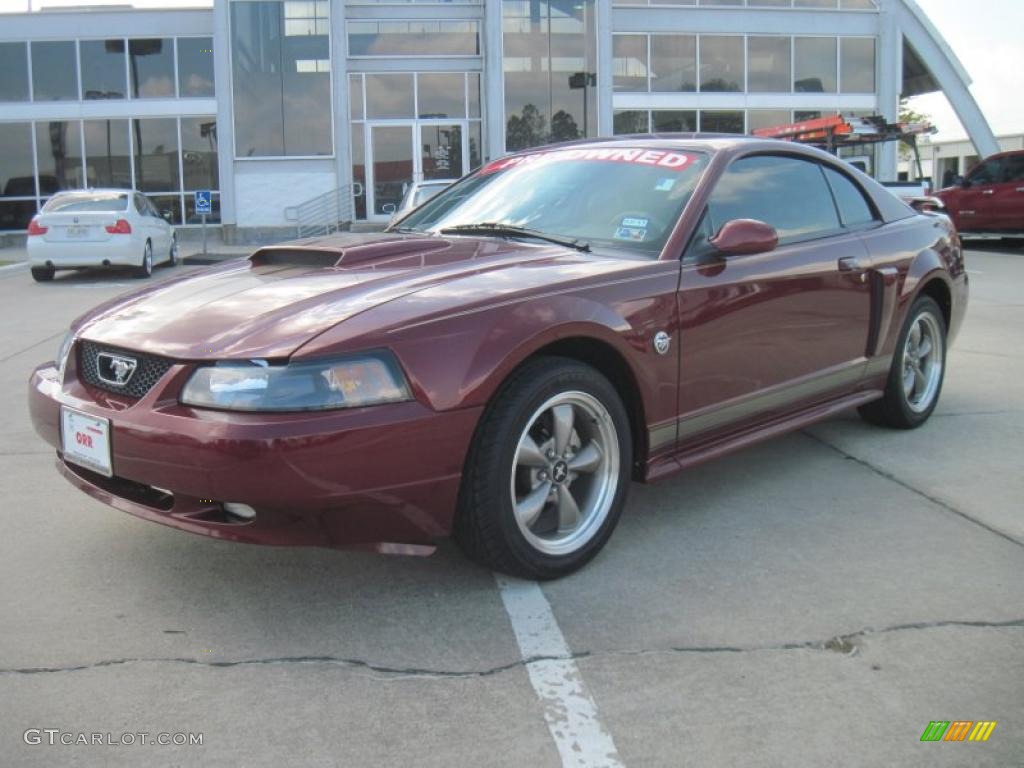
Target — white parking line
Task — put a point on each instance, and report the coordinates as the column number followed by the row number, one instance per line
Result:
column 570, row 712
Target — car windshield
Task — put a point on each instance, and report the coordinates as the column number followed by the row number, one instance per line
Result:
column 614, row 197
column 101, row 201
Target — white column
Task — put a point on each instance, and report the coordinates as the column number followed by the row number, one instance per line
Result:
column 493, row 82
column 225, row 119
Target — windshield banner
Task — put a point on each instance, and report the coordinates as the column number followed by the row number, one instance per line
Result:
column 673, row 161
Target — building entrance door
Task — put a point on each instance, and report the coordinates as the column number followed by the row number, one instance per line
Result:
column 400, row 152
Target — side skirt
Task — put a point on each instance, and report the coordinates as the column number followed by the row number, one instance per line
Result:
column 690, row 456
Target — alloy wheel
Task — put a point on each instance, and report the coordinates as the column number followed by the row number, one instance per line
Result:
column 565, row 473
column 922, row 362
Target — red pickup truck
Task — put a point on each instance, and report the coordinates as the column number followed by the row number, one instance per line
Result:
column 991, row 197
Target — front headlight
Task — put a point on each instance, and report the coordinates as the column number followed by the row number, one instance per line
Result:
column 349, row 382
column 62, row 354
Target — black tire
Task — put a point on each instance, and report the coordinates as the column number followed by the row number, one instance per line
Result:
column 172, row 255
column 894, row 410
column 145, row 269
column 486, row 526
column 43, row 274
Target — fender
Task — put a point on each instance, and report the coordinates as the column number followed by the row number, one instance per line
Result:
column 926, row 266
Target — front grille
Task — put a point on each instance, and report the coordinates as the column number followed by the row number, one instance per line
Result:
column 148, row 371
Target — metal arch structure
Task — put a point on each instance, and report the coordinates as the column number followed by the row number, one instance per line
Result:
column 932, row 65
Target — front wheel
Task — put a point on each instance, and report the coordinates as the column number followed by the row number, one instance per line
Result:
column 918, row 368
column 548, row 471
column 145, row 269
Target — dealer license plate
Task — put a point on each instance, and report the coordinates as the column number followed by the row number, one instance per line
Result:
column 85, row 440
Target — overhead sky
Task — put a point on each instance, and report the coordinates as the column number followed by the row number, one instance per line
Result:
column 985, row 34
column 987, row 38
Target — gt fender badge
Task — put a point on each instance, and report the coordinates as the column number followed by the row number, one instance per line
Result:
column 662, row 341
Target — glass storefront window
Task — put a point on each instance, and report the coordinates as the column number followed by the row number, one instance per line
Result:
column 195, row 66
column 389, row 96
column 769, row 66
column 814, row 65
column 14, row 66
column 54, row 71
column 59, row 155
column 282, row 96
column 355, row 97
column 151, row 64
column 425, row 37
column 550, row 65
column 629, row 63
column 17, row 178
column 767, row 118
column 103, row 69
column 630, row 121
column 721, row 121
column 199, row 153
column 473, row 94
column 156, row 154
column 673, row 120
column 476, row 144
column 857, row 64
column 441, row 94
column 674, row 62
column 441, row 150
column 721, row 63
column 107, row 154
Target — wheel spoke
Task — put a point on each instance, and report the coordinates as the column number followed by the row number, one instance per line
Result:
column 562, row 415
column 915, row 336
column 924, row 348
column 528, row 509
column 908, row 382
column 530, row 454
column 568, row 511
column 920, row 382
column 588, row 459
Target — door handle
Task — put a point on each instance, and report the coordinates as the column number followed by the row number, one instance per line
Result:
column 851, row 264
column 988, row 192
column 1020, row 189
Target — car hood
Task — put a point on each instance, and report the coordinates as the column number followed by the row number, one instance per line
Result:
column 270, row 304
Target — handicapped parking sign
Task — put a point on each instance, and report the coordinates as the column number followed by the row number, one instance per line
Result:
column 203, row 202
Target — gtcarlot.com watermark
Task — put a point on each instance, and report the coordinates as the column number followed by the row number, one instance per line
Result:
column 56, row 737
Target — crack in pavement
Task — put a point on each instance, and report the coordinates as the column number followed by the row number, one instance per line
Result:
column 837, row 644
column 904, row 484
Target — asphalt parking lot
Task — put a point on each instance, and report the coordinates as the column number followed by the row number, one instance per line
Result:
column 816, row 600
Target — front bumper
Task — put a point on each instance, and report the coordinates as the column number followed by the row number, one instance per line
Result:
column 384, row 477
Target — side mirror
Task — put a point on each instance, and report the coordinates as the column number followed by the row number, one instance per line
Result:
column 745, row 237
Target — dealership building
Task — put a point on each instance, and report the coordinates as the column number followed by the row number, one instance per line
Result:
column 292, row 109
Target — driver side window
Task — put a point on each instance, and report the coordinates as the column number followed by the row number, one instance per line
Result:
column 788, row 193
column 986, row 173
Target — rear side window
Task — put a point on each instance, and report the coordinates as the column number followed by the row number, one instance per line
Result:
column 853, row 208
column 98, row 202
column 786, row 192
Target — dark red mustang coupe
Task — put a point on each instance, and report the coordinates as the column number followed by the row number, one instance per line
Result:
column 503, row 361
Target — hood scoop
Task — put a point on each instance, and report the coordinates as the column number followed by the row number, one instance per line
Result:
column 294, row 257
column 378, row 250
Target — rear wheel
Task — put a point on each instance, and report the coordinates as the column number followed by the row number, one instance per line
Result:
column 918, row 369
column 43, row 274
column 145, row 269
column 548, row 472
